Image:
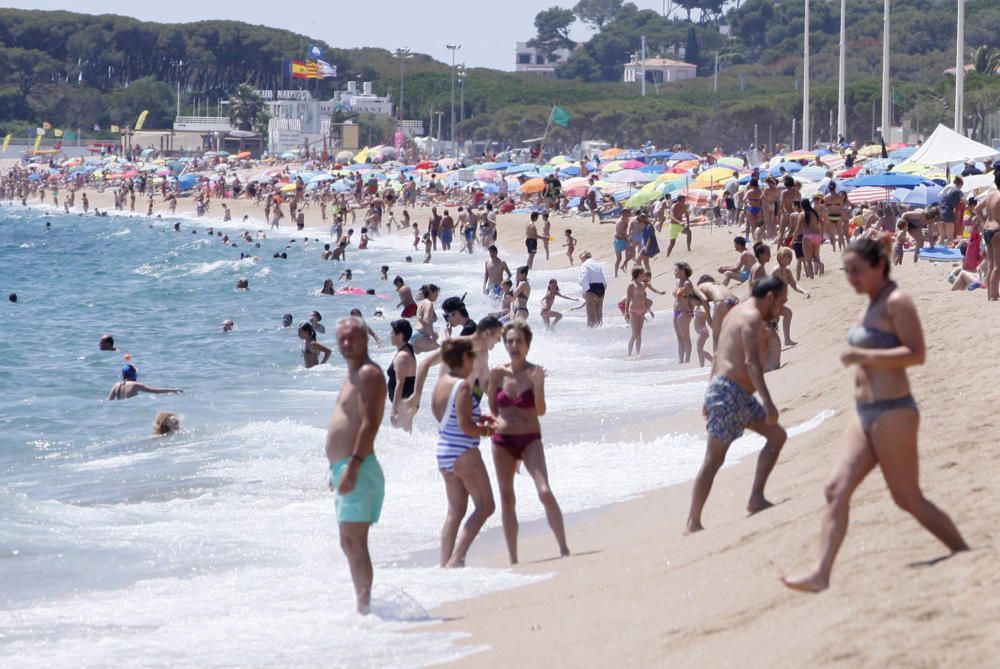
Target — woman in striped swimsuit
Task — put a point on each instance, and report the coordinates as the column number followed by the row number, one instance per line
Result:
column 460, row 427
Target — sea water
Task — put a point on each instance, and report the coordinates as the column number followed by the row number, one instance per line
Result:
column 218, row 546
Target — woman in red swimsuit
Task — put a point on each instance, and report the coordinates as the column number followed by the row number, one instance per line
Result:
column 516, row 394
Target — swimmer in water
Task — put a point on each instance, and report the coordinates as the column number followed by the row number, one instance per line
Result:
column 130, row 387
column 166, row 423
column 312, row 348
column 106, row 343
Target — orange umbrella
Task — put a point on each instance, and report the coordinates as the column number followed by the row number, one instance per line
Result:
column 532, row 186
column 243, row 154
column 611, row 153
column 684, row 166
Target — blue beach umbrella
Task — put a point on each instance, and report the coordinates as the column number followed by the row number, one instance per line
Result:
column 888, row 180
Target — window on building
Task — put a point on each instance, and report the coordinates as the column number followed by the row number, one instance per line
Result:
column 524, row 59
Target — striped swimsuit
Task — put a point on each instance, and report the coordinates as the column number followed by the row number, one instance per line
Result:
column 452, row 442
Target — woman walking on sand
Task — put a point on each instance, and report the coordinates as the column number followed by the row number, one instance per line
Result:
column 887, row 340
column 636, row 308
column 516, row 394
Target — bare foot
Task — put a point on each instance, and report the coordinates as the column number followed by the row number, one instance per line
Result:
column 758, row 505
column 564, row 551
column 455, row 563
column 789, row 342
column 812, row 583
column 692, row 528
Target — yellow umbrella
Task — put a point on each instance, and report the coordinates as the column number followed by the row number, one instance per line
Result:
column 732, row 161
column 613, row 166
column 669, row 176
column 870, row 151
column 713, row 178
column 559, row 159
column 287, row 188
column 362, row 156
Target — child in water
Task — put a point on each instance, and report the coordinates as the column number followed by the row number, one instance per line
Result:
column 551, row 293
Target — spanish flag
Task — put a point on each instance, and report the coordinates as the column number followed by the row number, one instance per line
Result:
column 303, row 69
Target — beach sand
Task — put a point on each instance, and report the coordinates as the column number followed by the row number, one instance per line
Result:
column 639, row 593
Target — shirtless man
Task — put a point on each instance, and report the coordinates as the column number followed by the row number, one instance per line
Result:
column 493, row 275
column 406, row 300
column 680, row 221
column 620, row 241
column 531, row 238
column 762, row 255
column 988, row 214
column 355, row 474
column 741, row 270
column 789, row 196
column 913, row 222
column 129, row 387
column 730, row 407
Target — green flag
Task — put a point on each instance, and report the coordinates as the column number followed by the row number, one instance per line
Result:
column 560, row 116
column 897, row 97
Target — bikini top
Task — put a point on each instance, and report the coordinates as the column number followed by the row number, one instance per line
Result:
column 866, row 337
column 525, row 400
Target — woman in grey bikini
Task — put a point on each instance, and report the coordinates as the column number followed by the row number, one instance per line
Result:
column 887, row 340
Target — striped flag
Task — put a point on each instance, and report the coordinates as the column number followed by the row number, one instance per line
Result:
column 325, row 70
column 869, row 194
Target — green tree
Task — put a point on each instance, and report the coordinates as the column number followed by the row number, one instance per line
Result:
column 597, row 13
column 552, row 26
column 245, row 106
column 29, row 70
column 692, row 52
column 986, row 60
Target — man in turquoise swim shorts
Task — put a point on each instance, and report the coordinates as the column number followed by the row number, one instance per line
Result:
column 355, row 474
column 730, row 405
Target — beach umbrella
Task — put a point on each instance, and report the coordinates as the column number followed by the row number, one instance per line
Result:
column 887, row 180
column 903, row 153
column 660, row 154
column 697, row 197
column 813, row 173
column 608, row 154
column 555, row 160
column 532, row 186
column 868, row 194
column 671, row 176
column 523, row 167
column 731, row 161
column 613, row 166
column 577, row 186
column 632, row 164
column 146, row 152
column 714, row 177
column 629, row 177
column 921, row 196
column 833, row 161
column 653, row 169
column 847, row 174
column 870, row 151
column 186, row 181
column 801, row 154
column 685, row 155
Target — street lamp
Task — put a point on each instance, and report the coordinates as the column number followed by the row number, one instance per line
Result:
column 453, row 48
column 461, row 84
column 402, row 54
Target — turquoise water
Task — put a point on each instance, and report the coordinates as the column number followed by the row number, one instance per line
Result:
column 115, row 545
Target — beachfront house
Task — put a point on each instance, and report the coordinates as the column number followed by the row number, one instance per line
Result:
column 658, row 70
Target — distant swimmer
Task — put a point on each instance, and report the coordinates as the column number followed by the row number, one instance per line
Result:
column 12, row 298
column 355, row 474
column 106, row 343
column 312, row 348
column 287, row 320
column 166, row 423
column 887, row 339
column 228, row 325
column 129, row 387
column 730, row 406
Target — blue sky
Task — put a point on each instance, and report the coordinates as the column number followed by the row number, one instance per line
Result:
column 487, row 30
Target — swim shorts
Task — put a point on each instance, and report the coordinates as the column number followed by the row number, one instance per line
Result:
column 730, row 408
column 409, row 311
column 446, row 236
column 597, row 289
column 364, row 503
column 744, row 275
column 619, row 245
column 531, row 245
column 675, row 230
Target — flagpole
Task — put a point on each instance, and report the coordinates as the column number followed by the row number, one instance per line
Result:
column 960, row 69
column 841, row 77
column 886, row 121
column 545, row 135
column 806, row 122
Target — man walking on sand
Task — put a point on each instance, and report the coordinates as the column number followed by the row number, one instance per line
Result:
column 730, row 407
column 531, row 238
column 355, row 474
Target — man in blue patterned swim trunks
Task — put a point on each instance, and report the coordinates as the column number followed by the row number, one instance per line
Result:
column 730, row 405
column 355, row 474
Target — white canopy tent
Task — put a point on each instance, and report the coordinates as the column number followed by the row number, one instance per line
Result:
column 947, row 148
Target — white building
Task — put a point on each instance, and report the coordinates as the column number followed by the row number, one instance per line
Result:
column 659, row 70
column 529, row 59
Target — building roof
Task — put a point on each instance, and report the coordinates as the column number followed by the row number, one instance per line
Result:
column 660, row 62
